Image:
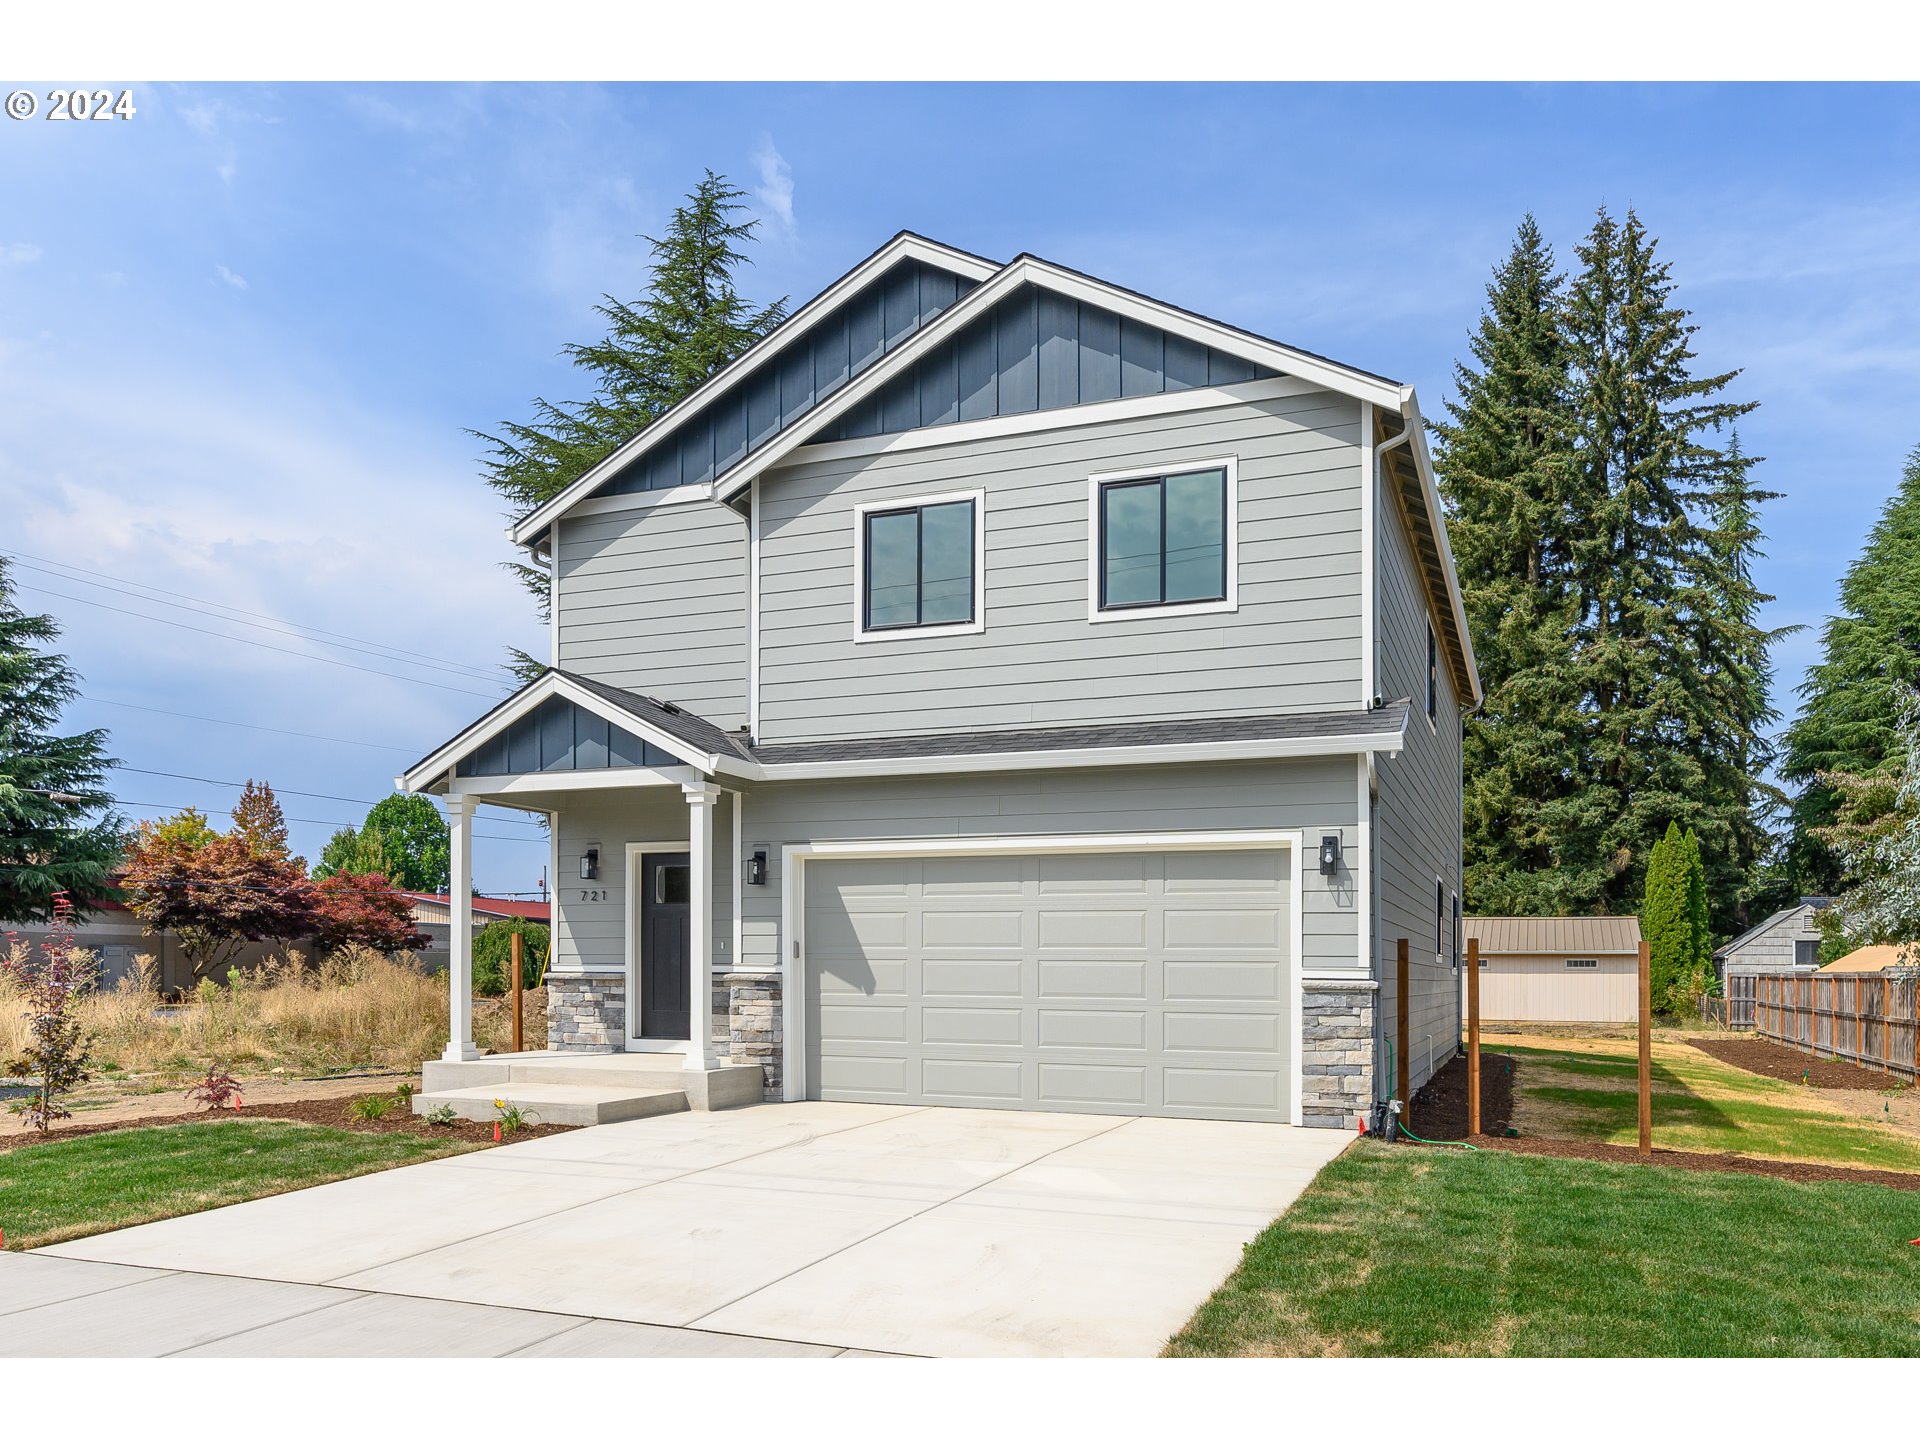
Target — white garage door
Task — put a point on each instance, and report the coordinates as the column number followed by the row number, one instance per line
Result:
column 1154, row 983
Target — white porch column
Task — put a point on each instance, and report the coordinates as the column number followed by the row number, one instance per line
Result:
column 701, row 798
column 460, row 1044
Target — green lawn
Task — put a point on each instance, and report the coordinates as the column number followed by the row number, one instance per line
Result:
column 68, row 1188
column 1699, row 1103
column 1399, row 1250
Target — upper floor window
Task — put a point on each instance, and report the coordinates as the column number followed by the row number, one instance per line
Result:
column 1163, row 542
column 919, row 566
column 1433, row 674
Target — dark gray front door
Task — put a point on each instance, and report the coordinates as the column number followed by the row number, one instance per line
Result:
column 663, row 947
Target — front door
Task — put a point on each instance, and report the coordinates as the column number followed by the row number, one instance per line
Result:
column 664, row 956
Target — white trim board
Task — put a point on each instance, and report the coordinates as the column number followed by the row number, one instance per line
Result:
column 794, row 857
column 636, row 850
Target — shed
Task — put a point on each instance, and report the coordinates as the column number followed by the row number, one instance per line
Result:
column 1546, row 970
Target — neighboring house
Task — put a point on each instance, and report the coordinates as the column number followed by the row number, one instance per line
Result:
column 1871, row 960
column 1785, row 942
column 998, row 688
column 433, row 916
column 1580, row 969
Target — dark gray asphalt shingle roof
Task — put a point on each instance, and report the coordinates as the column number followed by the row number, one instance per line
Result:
column 1330, row 725
column 664, row 715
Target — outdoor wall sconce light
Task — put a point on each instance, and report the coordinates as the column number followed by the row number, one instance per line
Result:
column 1329, row 854
column 590, row 865
column 757, row 868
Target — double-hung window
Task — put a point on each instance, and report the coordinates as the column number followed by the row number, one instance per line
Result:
column 1163, row 541
column 919, row 567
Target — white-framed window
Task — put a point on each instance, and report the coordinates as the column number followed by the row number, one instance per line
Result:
column 1583, row 964
column 1163, row 540
column 1433, row 676
column 1439, row 922
column 919, row 566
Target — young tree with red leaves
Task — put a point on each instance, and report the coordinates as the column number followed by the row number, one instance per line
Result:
column 215, row 892
column 351, row 909
column 56, row 1057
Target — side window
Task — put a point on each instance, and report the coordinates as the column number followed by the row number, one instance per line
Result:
column 919, row 567
column 1456, row 932
column 1162, row 543
column 1440, row 920
column 1433, row 674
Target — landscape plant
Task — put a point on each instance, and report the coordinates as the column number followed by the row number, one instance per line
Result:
column 370, row 1107
column 217, row 1090
column 57, row 1047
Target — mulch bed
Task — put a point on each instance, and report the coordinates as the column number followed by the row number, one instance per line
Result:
column 1782, row 1062
column 331, row 1112
column 1439, row 1112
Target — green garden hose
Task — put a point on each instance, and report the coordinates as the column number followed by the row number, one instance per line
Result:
column 1392, row 1071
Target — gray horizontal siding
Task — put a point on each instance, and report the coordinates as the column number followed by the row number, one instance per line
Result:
column 654, row 601
column 1293, row 644
column 1418, row 812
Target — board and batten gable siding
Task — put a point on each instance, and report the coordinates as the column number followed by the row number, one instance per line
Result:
column 1314, row 796
column 1417, row 816
column 1292, row 645
column 654, row 600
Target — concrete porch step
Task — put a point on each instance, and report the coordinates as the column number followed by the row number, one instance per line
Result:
column 621, row 1073
column 566, row 1104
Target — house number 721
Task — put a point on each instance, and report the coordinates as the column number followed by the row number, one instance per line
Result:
column 593, row 894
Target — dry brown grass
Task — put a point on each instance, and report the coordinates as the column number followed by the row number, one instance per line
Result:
column 356, row 1010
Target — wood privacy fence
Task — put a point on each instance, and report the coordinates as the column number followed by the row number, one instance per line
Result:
column 1869, row 1019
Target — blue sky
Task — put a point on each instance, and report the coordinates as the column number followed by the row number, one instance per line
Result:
column 243, row 334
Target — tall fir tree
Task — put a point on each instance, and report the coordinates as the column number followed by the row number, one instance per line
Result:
column 1504, row 465
column 1848, row 725
column 656, row 351
column 58, row 830
column 1672, row 701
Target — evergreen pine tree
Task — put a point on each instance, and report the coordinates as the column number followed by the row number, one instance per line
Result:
column 657, row 350
column 1671, row 698
column 1664, row 923
column 1699, row 926
column 1850, row 700
column 1504, row 464
column 58, row 832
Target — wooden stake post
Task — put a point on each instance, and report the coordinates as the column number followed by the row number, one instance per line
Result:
column 1473, row 1038
column 1401, row 1069
column 519, row 1034
column 1646, row 1049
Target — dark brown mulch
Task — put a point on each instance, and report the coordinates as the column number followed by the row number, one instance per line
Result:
column 1439, row 1112
column 1783, row 1062
column 331, row 1112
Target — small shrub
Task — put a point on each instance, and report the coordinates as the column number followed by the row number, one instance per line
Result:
column 512, row 1117
column 403, row 1092
column 440, row 1115
column 493, row 956
column 218, row 1090
column 58, row 1048
column 370, row 1107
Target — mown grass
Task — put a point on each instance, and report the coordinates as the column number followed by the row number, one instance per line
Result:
column 64, row 1189
column 1699, row 1103
column 1396, row 1250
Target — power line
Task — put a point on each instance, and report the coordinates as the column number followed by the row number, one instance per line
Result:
column 244, row 725
column 303, row 794
column 261, row 644
column 200, row 605
column 336, row 824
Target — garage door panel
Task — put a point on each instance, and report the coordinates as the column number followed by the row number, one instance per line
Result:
column 970, row 1025
column 1093, row 1030
column 1107, row 983
column 961, row 978
column 1237, row 1032
column 1093, row 1084
column 953, row 1079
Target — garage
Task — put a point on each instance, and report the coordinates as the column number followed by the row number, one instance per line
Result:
column 1136, row 982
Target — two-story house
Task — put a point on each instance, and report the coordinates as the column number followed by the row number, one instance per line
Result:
column 999, row 688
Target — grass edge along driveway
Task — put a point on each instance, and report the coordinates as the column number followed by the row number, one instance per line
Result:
column 1406, row 1251
column 64, row 1189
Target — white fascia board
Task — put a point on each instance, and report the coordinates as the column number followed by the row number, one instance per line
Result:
column 901, row 247
column 1388, row 741
column 541, row 782
column 434, row 768
column 1409, row 409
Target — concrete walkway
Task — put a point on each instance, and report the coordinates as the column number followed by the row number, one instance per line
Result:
column 800, row 1229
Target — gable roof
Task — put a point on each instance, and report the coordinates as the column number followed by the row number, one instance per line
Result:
column 1814, row 903
column 902, row 247
column 1554, row 934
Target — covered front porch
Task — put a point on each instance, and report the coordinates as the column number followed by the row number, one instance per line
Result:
column 647, row 1005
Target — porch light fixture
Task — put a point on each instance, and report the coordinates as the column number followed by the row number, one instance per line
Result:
column 590, row 865
column 1329, row 854
column 757, row 868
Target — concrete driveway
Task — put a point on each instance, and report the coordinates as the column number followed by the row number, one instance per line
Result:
column 798, row 1229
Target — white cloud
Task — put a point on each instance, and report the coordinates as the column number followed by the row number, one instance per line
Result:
column 776, row 181
column 20, row 253
column 202, row 119
column 226, row 170
column 238, row 282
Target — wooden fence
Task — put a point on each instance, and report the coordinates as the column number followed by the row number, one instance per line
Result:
column 1869, row 1019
